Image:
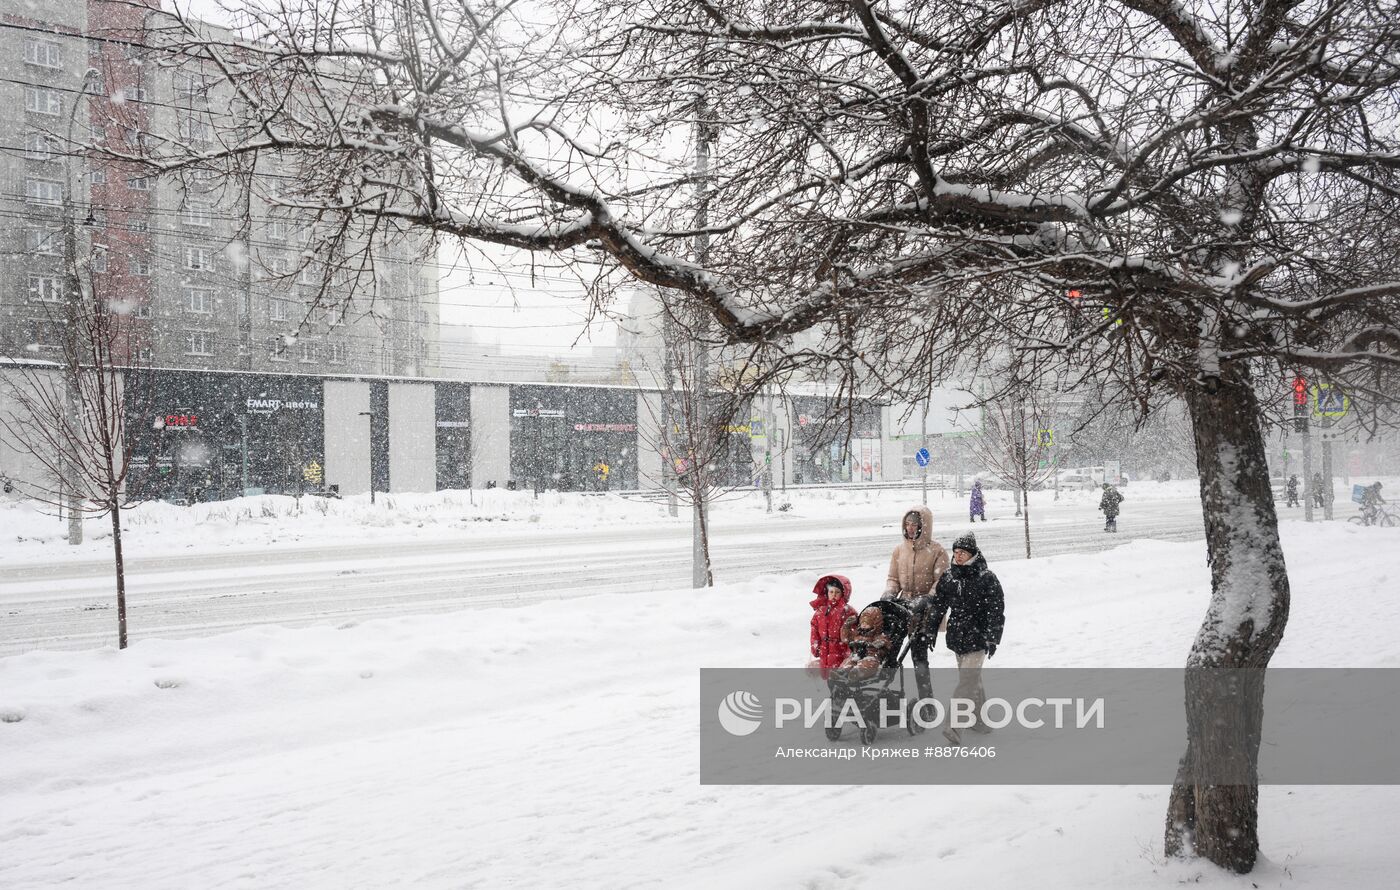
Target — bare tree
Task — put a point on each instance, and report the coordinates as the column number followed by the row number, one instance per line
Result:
column 1013, row 443
column 920, row 185
column 86, row 465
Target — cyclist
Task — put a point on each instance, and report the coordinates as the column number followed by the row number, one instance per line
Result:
column 1371, row 501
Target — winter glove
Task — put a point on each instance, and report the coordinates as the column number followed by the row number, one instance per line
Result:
column 991, row 649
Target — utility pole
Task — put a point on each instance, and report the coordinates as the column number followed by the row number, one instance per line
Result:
column 923, row 446
column 1308, row 494
column 768, row 454
column 73, row 298
column 700, row 568
column 1327, row 472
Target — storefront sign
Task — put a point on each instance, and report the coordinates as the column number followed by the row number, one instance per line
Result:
column 538, row 412
column 271, row 406
column 180, row 420
column 454, row 424
column 605, row 427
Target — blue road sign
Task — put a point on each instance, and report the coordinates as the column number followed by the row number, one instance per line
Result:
column 922, row 457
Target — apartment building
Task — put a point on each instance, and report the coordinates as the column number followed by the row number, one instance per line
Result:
column 204, row 266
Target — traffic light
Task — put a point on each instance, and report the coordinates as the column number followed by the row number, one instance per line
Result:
column 1300, row 404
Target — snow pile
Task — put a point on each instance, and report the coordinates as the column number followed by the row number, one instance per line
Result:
column 555, row 746
column 31, row 533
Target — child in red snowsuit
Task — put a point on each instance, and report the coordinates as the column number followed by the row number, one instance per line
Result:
column 830, row 610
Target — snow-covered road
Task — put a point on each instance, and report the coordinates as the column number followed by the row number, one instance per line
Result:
column 68, row 604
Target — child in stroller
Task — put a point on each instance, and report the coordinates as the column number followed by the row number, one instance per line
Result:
column 877, row 640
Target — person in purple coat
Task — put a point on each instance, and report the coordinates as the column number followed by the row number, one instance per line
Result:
column 977, row 506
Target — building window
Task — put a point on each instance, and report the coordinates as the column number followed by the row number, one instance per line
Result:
column 39, row 146
column 45, row 242
column 99, row 261
column 46, row 288
column 42, row 101
column 44, row 53
column 138, row 224
column 43, row 191
column 143, row 355
column 199, row 299
column 191, row 86
column 96, row 83
column 98, row 177
column 198, row 259
column 276, row 230
column 277, row 349
column 199, row 343
column 307, row 352
column 335, row 353
column 143, row 310
column 199, row 215
column 196, row 130
column 140, row 267
column 139, row 183
column 277, row 310
column 97, row 133
column 309, row 275
column 277, row 267
column 133, row 94
column 200, row 179
column 97, row 219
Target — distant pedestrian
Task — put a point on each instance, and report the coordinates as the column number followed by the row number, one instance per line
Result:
column 1319, row 497
column 971, row 596
column 601, row 470
column 977, row 504
column 1109, row 505
column 1292, row 490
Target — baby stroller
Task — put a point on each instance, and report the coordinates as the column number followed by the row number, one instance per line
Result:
column 869, row 692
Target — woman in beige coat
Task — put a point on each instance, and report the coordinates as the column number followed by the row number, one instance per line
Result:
column 916, row 565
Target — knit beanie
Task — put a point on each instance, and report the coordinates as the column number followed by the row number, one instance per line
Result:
column 968, row 542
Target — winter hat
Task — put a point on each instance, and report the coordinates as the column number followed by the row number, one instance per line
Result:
column 967, row 542
column 872, row 620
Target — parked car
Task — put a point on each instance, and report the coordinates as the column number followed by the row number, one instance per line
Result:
column 1075, row 479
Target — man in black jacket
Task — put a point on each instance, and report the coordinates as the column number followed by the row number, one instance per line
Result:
column 971, row 596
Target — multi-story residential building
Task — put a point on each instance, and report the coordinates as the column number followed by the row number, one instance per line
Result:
column 209, row 271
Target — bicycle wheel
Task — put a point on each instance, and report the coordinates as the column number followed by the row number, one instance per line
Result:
column 1388, row 520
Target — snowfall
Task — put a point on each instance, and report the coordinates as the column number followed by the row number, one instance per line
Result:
column 556, row 744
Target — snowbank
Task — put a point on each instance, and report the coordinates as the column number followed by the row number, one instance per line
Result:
column 31, row 534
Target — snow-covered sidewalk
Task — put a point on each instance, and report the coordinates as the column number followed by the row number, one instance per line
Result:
column 252, row 524
column 556, row 746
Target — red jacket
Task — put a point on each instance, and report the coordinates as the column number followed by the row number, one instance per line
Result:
column 827, row 619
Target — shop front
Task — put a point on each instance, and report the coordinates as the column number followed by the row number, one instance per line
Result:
column 209, row 436
column 573, row 438
column 831, row 444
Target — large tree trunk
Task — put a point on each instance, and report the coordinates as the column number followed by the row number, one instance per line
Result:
column 1242, row 628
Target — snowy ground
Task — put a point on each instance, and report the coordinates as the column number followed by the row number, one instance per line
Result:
column 192, row 571
column 555, row 745
column 257, row 523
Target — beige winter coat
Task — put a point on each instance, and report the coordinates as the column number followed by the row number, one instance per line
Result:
column 916, row 566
